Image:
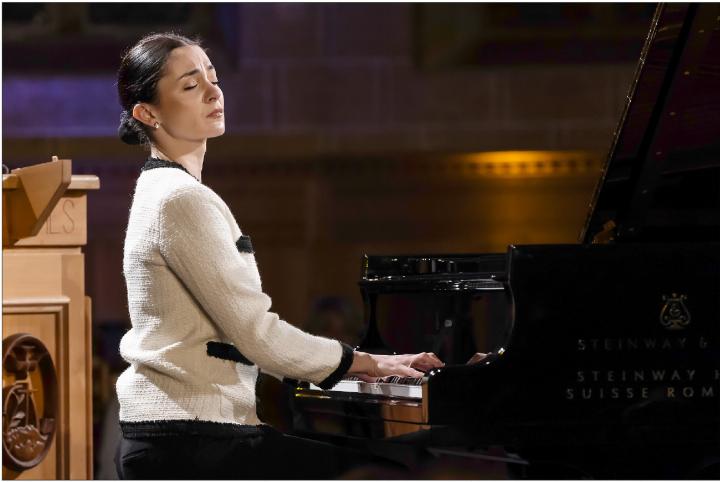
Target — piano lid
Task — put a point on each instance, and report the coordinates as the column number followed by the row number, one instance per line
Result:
column 661, row 181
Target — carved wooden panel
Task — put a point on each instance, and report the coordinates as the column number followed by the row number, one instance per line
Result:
column 44, row 300
column 64, row 226
column 45, row 321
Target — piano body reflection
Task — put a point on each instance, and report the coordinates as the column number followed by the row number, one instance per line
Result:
column 604, row 355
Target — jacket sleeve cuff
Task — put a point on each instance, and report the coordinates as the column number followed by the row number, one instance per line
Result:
column 341, row 370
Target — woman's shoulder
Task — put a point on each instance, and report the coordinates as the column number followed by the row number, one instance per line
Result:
column 190, row 195
column 175, row 194
column 170, row 184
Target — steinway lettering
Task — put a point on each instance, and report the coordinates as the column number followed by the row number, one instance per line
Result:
column 641, row 344
column 630, row 393
column 646, row 383
column 660, row 375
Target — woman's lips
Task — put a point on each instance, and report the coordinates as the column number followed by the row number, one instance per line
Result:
column 216, row 114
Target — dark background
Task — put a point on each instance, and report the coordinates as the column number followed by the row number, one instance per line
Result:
column 351, row 128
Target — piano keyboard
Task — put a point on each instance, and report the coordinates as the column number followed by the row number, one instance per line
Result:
column 393, row 387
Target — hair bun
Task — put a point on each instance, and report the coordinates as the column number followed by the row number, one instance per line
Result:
column 128, row 131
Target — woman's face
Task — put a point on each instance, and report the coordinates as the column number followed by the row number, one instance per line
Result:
column 188, row 93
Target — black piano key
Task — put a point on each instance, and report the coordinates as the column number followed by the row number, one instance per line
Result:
column 408, row 380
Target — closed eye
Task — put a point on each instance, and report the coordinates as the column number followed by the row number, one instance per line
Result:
column 193, row 86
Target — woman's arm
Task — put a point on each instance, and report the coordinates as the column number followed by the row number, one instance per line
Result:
column 197, row 240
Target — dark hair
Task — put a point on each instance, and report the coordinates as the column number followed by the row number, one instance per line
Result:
column 141, row 68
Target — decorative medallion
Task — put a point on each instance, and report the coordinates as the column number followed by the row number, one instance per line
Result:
column 674, row 314
column 29, row 401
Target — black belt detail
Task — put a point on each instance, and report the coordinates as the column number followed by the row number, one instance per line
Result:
column 226, row 351
column 180, row 428
column 244, row 245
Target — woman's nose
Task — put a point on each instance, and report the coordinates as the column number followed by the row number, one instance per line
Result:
column 214, row 93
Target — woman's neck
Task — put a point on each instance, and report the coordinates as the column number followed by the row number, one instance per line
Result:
column 192, row 161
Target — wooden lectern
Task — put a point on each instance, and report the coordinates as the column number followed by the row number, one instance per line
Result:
column 47, row 350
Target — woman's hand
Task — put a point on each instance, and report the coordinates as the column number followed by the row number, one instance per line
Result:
column 370, row 367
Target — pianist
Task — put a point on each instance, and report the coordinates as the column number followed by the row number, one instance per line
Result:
column 201, row 329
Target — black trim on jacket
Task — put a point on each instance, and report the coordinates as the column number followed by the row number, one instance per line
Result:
column 154, row 163
column 165, row 428
column 244, row 245
column 226, row 351
column 341, row 370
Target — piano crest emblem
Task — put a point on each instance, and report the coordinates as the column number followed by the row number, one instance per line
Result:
column 674, row 314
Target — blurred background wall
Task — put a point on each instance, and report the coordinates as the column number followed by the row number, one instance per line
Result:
column 350, row 129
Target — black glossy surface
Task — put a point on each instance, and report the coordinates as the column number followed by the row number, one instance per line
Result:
column 661, row 180
column 431, row 266
column 580, row 371
column 590, row 381
column 412, row 304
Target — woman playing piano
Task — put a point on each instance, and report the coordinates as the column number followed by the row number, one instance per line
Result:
column 201, row 325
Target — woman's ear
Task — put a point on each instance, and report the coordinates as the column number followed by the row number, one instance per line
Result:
column 143, row 113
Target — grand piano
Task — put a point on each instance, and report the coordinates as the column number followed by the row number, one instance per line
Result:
column 603, row 356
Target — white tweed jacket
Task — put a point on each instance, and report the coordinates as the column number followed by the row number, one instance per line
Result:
column 201, row 328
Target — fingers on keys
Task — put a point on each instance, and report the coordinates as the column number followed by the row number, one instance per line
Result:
column 411, row 372
column 426, row 361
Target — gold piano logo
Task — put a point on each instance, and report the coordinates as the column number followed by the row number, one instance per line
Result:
column 674, row 314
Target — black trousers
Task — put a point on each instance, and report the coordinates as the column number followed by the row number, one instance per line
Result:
column 262, row 454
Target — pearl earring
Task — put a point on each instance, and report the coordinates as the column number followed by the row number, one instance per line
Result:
column 157, row 125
